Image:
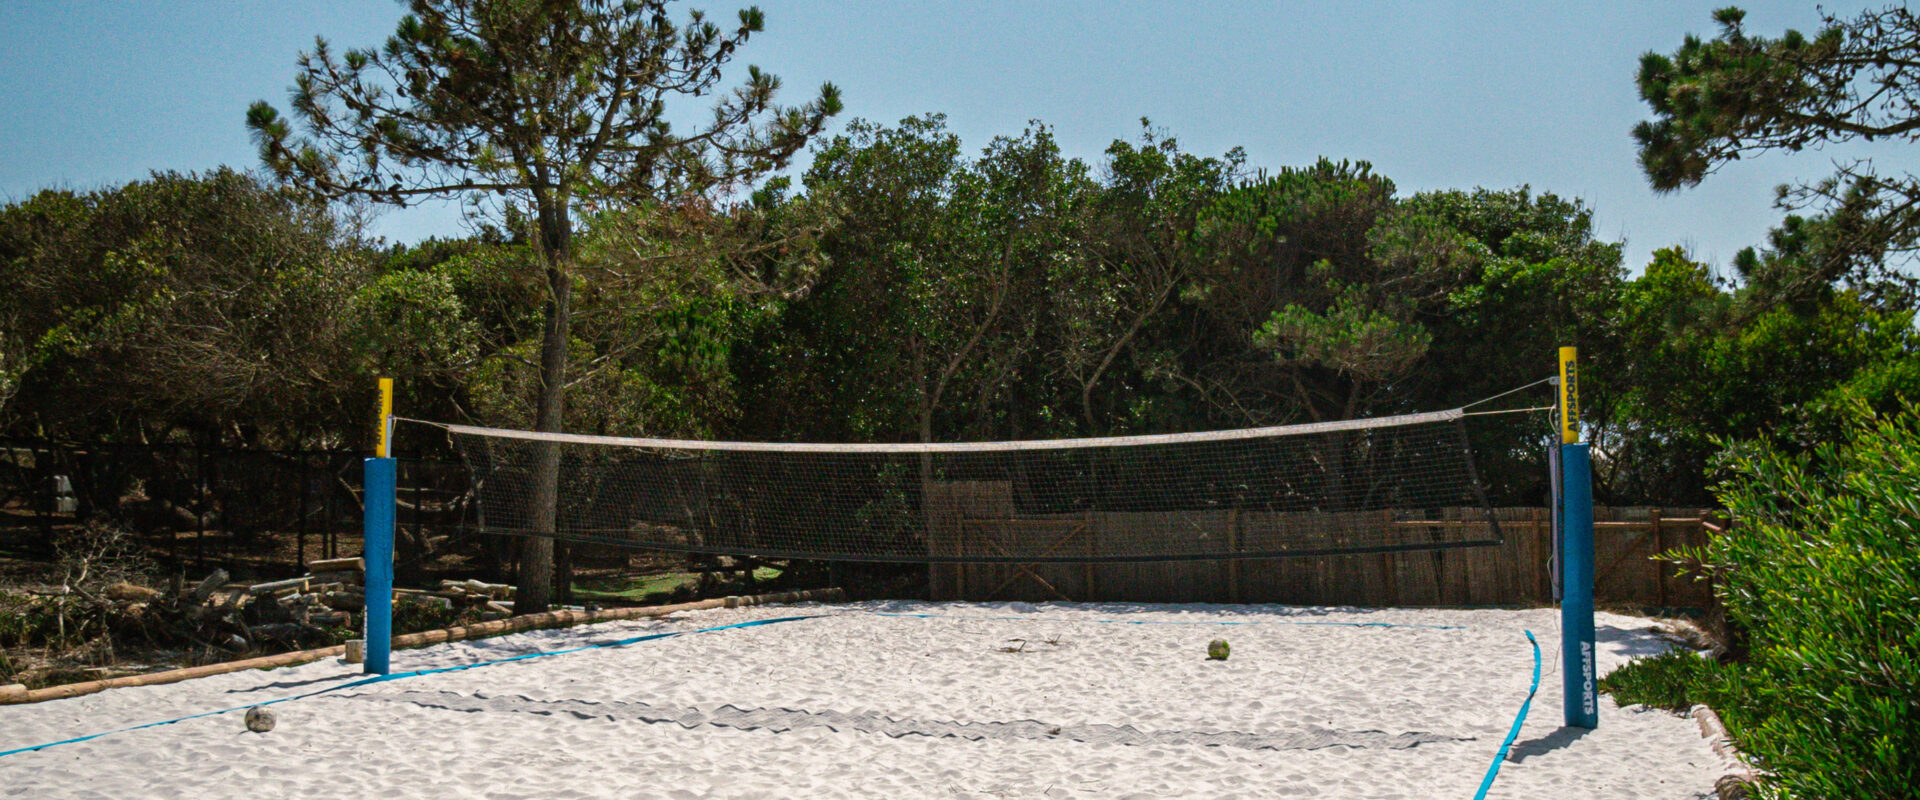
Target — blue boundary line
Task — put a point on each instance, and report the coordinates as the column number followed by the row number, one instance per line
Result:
column 417, row 673
column 1185, row 622
column 1493, row 769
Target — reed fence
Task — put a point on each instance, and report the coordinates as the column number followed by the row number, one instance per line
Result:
column 1515, row 572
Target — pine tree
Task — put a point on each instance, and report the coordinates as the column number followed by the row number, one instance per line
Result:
column 1739, row 95
column 549, row 108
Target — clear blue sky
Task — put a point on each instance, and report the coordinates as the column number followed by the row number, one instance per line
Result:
column 1435, row 95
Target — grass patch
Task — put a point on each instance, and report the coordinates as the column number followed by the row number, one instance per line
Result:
column 632, row 588
column 641, row 588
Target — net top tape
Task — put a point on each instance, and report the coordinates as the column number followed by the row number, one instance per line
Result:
column 1449, row 415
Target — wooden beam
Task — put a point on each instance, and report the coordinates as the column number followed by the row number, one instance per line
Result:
column 335, row 564
column 1659, row 549
column 269, row 587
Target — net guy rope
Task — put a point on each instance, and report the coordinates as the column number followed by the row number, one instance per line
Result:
column 1287, row 491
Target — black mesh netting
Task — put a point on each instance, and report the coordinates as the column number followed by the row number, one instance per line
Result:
column 1401, row 483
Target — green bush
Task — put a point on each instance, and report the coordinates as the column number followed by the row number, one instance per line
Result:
column 26, row 621
column 412, row 615
column 1823, row 573
column 1670, row 680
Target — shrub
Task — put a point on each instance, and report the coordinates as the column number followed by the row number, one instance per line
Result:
column 412, row 615
column 1668, row 681
column 24, row 621
column 1823, row 573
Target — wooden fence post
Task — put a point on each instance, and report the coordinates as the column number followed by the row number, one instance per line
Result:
column 1233, row 564
column 202, row 495
column 306, row 492
column 1659, row 552
column 1087, row 568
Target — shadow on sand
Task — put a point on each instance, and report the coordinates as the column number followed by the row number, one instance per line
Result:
column 1543, row 745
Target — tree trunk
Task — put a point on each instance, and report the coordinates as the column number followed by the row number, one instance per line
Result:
column 563, row 571
column 536, row 579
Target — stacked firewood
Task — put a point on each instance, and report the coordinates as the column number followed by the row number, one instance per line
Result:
column 336, row 587
column 494, row 599
column 326, row 597
column 303, row 611
column 236, row 617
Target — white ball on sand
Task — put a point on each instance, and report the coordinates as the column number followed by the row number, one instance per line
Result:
column 1217, row 650
column 259, row 719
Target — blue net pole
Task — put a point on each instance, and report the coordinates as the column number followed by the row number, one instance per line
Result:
column 378, row 552
column 1576, row 605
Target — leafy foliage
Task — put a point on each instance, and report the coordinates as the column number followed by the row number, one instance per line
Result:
column 926, row 320
column 1822, row 574
column 1138, row 257
column 1821, row 577
column 1540, row 280
column 561, row 108
column 911, row 291
column 207, row 305
column 544, row 99
column 1786, row 374
column 1738, row 95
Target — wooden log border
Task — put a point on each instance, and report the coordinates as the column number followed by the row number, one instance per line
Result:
column 1738, row 783
column 14, row 694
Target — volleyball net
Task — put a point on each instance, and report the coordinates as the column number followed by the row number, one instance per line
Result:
column 1376, row 485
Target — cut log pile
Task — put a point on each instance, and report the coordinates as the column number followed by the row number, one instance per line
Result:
column 326, row 597
column 332, row 589
column 216, row 613
column 495, row 600
column 295, row 611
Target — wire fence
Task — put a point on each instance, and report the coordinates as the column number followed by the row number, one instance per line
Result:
column 252, row 512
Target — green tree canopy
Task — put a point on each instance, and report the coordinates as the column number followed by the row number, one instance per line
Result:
column 928, row 318
column 1738, row 95
column 561, row 108
column 203, row 306
column 1704, row 361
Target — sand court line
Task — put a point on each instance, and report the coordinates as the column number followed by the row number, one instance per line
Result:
column 783, row 720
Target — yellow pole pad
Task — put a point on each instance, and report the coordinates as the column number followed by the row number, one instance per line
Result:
column 382, row 429
column 1569, row 395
